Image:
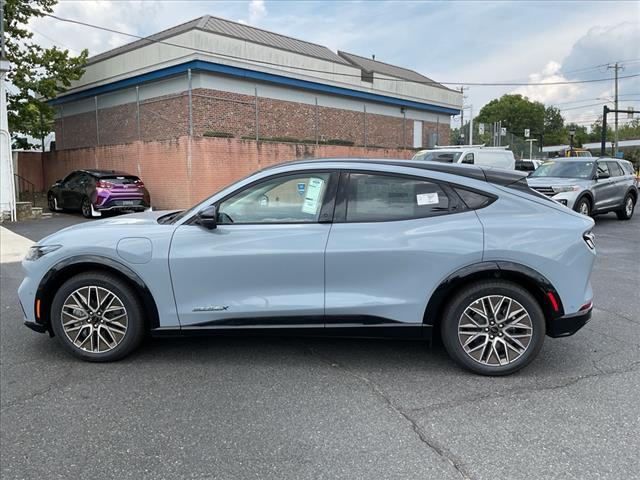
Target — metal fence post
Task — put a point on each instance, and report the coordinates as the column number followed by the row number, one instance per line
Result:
column 257, row 115
column 61, row 126
column 97, row 126
column 190, row 104
column 365, row 126
column 404, row 128
column 317, row 120
column 138, row 110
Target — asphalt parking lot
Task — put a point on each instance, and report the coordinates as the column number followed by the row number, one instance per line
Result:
column 312, row 408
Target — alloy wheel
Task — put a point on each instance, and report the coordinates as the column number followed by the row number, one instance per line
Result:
column 86, row 208
column 495, row 330
column 584, row 208
column 94, row 319
column 628, row 206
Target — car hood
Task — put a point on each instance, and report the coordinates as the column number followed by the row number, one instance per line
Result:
column 557, row 181
column 131, row 220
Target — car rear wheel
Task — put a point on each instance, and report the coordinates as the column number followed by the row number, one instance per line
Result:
column 493, row 328
column 86, row 208
column 583, row 206
column 97, row 317
column 626, row 211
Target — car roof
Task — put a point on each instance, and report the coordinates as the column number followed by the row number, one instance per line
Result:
column 501, row 177
column 105, row 173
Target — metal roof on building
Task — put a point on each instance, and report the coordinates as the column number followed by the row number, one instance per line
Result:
column 370, row 65
column 221, row 26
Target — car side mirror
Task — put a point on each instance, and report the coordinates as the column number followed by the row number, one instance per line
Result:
column 208, row 217
column 602, row 176
column 58, row 181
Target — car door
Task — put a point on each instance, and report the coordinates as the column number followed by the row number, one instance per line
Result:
column 394, row 239
column 69, row 190
column 603, row 189
column 263, row 264
column 618, row 187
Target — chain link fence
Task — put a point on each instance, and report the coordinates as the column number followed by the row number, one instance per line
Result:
column 151, row 112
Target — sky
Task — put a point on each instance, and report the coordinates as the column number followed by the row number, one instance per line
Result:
column 453, row 41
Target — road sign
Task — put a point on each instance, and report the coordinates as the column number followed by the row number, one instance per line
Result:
column 481, row 128
column 526, row 133
column 630, row 112
column 503, row 131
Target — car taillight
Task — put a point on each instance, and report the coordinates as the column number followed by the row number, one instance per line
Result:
column 139, row 183
column 103, row 184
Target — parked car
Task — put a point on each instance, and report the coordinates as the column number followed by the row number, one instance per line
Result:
column 527, row 165
column 386, row 248
column 96, row 191
column 589, row 185
column 494, row 157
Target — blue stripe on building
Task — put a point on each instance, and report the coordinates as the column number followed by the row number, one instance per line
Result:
column 202, row 66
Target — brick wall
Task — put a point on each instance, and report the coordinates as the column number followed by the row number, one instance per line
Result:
column 232, row 113
column 182, row 171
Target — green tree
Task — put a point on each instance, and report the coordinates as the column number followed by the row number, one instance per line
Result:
column 36, row 73
column 516, row 113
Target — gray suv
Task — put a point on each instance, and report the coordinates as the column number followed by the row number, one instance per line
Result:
column 589, row 185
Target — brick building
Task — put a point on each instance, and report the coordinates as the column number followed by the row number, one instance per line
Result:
column 214, row 77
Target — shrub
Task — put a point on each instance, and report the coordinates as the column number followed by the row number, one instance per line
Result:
column 211, row 133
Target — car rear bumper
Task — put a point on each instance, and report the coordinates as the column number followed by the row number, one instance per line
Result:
column 568, row 324
column 123, row 204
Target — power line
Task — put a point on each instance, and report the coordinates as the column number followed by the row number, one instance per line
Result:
column 593, row 105
column 263, row 62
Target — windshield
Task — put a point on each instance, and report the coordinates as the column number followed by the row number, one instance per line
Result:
column 439, row 156
column 565, row 169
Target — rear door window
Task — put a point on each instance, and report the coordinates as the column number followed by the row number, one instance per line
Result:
column 377, row 197
column 615, row 169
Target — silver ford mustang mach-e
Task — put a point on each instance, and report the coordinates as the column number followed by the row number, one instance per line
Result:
column 355, row 247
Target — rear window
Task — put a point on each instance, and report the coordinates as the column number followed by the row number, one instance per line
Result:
column 121, row 179
column 439, row 156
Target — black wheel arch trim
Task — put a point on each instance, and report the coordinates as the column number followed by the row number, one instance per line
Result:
column 71, row 266
column 536, row 283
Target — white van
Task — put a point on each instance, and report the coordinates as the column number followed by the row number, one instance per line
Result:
column 495, row 157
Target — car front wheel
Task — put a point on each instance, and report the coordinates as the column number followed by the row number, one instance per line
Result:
column 583, row 206
column 493, row 328
column 626, row 211
column 97, row 317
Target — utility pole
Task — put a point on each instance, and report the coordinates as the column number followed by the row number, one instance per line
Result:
column 462, row 89
column 615, row 67
column 470, row 124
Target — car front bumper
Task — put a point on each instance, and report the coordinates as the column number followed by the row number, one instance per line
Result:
column 568, row 324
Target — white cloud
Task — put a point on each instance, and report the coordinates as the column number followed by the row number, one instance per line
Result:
column 257, row 11
column 549, row 94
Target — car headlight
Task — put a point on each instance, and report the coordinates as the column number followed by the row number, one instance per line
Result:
column 566, row 188
column 38, row 251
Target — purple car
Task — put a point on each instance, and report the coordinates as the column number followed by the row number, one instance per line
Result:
column 96, row 191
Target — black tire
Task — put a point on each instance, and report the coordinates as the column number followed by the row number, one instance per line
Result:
column 458, row 304
column 85, row 208
column 51, row 203
column 136, row 322
column 583, row 205
column 628, row 206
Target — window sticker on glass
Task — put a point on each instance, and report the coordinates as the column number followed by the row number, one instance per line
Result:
column 427, row 198
column 314, row 189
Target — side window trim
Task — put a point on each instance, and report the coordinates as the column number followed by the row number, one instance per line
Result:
column 456, row 204
column 326, row 210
